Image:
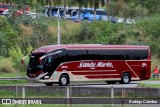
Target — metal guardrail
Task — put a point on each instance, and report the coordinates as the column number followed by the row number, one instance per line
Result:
column 13, row 78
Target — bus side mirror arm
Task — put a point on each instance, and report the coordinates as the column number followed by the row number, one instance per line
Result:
column 22, row 61
column 41, row 58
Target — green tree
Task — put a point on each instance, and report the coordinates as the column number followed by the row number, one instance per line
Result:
column 152, row 5
column 8, row 35
column 7, row 1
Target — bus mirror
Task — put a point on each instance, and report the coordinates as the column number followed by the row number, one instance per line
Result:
column 41, row 58
column 22, row 61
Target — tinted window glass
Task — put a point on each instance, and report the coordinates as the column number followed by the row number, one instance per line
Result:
column 73, row 55
column 33, row 64
column 136, row 54
column 76, row 52
column 107, row 54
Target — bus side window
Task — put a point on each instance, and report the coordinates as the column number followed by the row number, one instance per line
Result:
column 133, row 55
column 49, row 61
column 143, row 54
column 76, row 54
column 93, row 54
column 127, row 57
column 114, row 54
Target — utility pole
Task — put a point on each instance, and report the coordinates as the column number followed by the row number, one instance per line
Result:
column 64, row 9
column 59, row 28
column 50, row 8
column 108, row 8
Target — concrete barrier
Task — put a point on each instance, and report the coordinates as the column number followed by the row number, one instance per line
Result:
column 85, row 91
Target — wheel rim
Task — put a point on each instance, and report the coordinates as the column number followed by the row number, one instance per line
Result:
column 63, row 81
column 126, row 79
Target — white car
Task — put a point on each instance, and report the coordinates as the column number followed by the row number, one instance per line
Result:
column 35, row 15
column 120, row 20
column 130, row 21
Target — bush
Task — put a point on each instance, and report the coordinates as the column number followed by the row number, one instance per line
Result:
column 102, row 32
column 6, row 65
column 16, row 56
column 7, row 36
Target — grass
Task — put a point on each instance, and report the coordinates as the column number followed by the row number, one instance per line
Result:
column 20, row 74
column 7, row 94
column 151, row 79
column 13, row 82
column 11, row 93
column 149, row 85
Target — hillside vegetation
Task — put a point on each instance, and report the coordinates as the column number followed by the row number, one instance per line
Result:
column 19, row 36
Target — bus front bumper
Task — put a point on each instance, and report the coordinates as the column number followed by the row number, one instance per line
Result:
column 38, row 79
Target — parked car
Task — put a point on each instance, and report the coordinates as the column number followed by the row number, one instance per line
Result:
column 130, row 21
column 4, row 7
column 35, row 15
column 120, row 20
column 111, row 18
column 5, row 13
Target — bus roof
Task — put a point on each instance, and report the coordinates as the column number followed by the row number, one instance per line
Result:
column 49, row 48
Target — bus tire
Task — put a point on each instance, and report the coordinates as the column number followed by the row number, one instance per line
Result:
column 63, row 80
column 111, row 82
column 49, row 84
column 125, row 78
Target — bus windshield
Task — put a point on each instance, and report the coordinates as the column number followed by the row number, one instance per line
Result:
column 34, row 64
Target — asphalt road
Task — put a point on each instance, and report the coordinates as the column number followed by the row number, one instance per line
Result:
column 117, row 85
column 102, row 84
column 92, row 84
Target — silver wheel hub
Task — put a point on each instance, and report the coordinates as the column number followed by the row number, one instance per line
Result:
column 126, row 79
column 63, row 81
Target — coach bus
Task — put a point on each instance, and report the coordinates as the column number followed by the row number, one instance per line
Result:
column 89, row 62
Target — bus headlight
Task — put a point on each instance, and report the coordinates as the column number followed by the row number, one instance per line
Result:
column 46, row 77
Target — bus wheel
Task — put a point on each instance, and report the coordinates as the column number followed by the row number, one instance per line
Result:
column 111, row 82
column 63, row 81
column 125, row 78
column 49, row 84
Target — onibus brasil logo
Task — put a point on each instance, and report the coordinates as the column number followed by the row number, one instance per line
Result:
column 21, row 101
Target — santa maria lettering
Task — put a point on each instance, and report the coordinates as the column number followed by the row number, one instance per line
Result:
column 93, row 65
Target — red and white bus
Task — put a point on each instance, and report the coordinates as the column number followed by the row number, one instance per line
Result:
column 89, row 62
